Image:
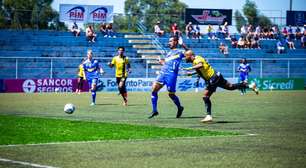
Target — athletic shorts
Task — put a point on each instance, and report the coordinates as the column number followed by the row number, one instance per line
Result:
column 168, row 80
column 215, row 81
column 243, row 78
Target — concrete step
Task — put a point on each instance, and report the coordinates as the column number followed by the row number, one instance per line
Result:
column 141, row 41
column 149, row 51
column 138, row 36
column 144, row 46
column 150, row 56
column 156, row 67
column 153, row 62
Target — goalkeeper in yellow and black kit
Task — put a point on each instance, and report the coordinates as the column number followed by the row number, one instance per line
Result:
column 212, row 79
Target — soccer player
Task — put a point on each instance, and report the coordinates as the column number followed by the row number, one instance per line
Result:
column 168, row 76
column 92, row 69
column 81, row 77
column 244, row 69
column 123, row 68
column 212, row 78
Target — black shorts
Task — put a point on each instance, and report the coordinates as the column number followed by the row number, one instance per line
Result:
column 215, row 81
column 120, row 79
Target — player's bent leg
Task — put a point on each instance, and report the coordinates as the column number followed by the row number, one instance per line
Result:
column 177, row 102
column 154, row 98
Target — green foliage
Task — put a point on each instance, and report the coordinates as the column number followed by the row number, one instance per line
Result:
column 251, row 12
column 150, row 11
column 29, row 14
column 240, row 20
column 264, row 21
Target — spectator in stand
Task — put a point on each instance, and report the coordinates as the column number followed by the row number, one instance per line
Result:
column 241, row 42
column 90, row 34
column 103, row 29
column 303, row 41
column 197, row 32
column 250, row 29
column 285, row 32
column 298, row 33
column 223, row 49
column 234, row 41
column 255, row 42
column 290, row 43
column 189, row 31
column 76, row 31
column 280, row 46
column 110, row 31
column 220, row 33
column 290, row 33
column 225, row 31
column 243, row 31
column 266, row 33
column 258, row 32
column 175, row 32
column 210, row 32
column 157, row 29
column 248, row 40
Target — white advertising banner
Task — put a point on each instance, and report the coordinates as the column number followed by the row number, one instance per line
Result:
column 86, row 13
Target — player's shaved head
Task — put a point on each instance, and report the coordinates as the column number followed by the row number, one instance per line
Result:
column 189, row 52
column 189, row 55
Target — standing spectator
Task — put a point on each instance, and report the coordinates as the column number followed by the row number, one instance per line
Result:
column 280, row 47
column 234, row 41
column 243, row 31
column 197, row 32
column 220, row 34
column 157, row 29
column 76, row 31
column 285, row 32
column 103, row 29
column 290, row 43
column 110, row 30
column 258, row 32
column 225, row 31
column 298, row 33
column 90, row 34
column 175, row 32
column 189, row 30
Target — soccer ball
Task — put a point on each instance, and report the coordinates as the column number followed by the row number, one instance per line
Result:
column 69, row 108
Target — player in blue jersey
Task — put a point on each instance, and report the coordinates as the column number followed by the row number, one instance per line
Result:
column 92, row 70
column 168, row 76
column 244, row 69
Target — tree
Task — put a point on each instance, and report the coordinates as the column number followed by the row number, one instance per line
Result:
column 264, row 21
column 251, row 12
column 149, row 11
column 28, row 13
column 240, row 20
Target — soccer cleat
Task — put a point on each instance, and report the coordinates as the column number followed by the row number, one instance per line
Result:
column 153, row 114
column 254, row 88
column 179, row 112
column 92, row 104
column 207, row 119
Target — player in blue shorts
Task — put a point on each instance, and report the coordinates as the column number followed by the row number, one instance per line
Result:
column 92, row 70
column 168, row 76
column 244, row 69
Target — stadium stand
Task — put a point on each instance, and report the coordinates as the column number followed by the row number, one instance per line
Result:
column 44, row 54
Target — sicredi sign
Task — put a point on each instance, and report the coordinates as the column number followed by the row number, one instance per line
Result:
column 279, row 83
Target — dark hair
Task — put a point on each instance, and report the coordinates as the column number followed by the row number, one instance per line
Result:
column 175, row 38
column 123, row 49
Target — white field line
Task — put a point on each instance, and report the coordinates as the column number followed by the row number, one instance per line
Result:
column 124, row 140
column 25, row 163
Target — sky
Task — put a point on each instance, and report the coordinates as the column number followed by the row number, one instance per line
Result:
column 263, row 5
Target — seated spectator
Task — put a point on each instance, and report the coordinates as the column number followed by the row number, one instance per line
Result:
column 189, row 30
column 110, row 31
column 103, row 29
column 255, row 42
column 258, row 32
column 243, row 31
column 210, row 32
column 223, row 49
column 290, row 33
column 241, row 42
column 298, row 33
column 234, row 41
column 175, row 32
column 285, row 32
column 197, row 33
column 75, row 30
column 290, row 43
column 157, row 30
column 90, row 34
column 280, row 47
column 303, row 41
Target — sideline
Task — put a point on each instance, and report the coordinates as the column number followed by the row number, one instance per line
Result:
column 25, row 163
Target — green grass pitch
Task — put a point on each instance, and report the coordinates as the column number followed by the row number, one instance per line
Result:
column 268, row 130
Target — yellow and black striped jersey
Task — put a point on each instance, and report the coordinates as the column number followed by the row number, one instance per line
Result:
column 121, row 65
column 206, row 71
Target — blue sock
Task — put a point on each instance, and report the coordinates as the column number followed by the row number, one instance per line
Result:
column 176, row 100
column 154, row 98
column 93, row 95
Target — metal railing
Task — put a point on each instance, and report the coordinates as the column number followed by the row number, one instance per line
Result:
column 66, row 67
